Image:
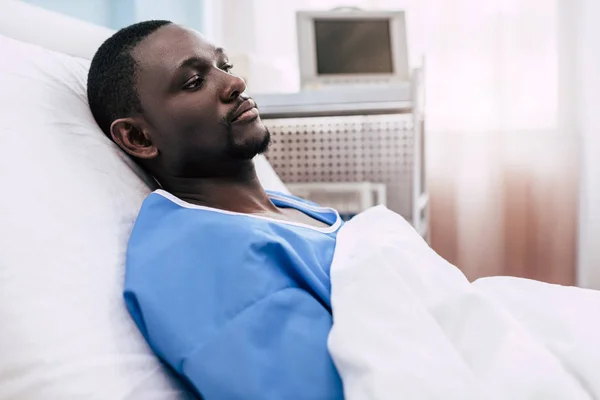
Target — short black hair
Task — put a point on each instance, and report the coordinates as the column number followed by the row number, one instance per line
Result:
column 111, row 81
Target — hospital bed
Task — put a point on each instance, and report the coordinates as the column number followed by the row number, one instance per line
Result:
column 68, row 202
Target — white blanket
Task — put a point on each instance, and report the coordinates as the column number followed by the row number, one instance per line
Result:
column 409, row 325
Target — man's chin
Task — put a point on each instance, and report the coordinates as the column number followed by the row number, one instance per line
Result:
column 250, row 148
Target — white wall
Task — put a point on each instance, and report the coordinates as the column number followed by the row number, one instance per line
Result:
column 185, row 12
column 116, row 14
column 94, row 11
column 587, row 26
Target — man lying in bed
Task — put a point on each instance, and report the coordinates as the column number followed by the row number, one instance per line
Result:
column 229, row 284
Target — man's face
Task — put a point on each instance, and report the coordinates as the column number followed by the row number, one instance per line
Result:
column 197, row 117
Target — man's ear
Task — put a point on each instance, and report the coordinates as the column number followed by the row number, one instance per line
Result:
column 132, row 138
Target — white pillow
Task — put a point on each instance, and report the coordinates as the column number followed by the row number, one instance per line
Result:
column 68, row 202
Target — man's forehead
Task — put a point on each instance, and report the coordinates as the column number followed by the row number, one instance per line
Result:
column 171, row 44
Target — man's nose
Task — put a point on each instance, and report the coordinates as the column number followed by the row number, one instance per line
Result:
column 233, row 87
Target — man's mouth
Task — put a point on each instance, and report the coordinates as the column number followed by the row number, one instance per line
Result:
column 246, row 115
column 246, row 111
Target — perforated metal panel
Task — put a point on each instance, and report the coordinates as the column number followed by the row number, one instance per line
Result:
column 374, row 148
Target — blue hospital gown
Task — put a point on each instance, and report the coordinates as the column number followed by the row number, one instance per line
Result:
column 238, row 305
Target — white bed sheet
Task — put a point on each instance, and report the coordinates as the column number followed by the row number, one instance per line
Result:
column 408, row 325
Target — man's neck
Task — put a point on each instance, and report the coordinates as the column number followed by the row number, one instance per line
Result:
column 241, row 192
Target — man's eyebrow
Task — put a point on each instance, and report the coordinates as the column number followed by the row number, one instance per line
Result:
column 188, row 62
column 220, row 53
column 193, row 61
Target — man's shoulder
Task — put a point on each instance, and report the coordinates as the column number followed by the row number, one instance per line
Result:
column 166, row 234
column 164, row 213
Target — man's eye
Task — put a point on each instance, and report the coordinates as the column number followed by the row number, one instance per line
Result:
column 227, row 67
column 194, row 83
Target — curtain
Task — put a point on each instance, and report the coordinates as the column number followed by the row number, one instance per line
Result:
column 501, row 149
column 502, row 158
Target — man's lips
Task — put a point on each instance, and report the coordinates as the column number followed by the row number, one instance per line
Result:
column 246, row 116
column 246, row 110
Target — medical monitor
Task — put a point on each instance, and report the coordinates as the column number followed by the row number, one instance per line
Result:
column 351, row 47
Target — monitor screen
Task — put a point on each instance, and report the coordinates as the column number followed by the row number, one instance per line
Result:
column 353, row 46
